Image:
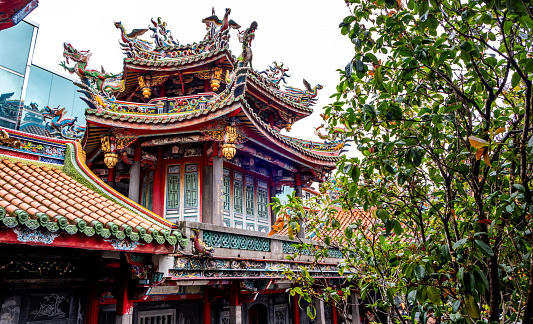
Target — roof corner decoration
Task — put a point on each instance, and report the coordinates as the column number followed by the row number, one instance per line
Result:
column 219, row 36
column 100, row 82
column 161, row 35
column 60, row 127
column 276, row 73
column 307, row 96
column 246, row 37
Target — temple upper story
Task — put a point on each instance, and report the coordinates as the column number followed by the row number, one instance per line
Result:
column 193, row 132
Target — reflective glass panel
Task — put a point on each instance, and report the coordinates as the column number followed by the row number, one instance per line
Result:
column 10, row 92
column 15, row 47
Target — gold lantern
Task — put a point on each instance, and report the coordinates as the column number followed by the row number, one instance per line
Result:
column 288, row 125
column 228, row 148
column 110, row 159
column 109, row 148
column 217, row 77
column 144, row 84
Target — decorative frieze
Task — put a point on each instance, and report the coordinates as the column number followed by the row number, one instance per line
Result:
column 236, row 241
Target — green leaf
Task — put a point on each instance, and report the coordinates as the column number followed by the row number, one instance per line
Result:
column 455, row 306
column 434, row 294
column 397, row 227
column 369, row 57
column 348, row 70
column 311, row 311
column 377, row 75
column 519, row 187
column 356, row 173
column 459, row 243
column 529, row 65
column 394, row 262
column 390, row 295
column 469, row 282
column 480, row 277
column 411, row 297
column 484, row 248
column 420, row 272
column 348, row 232
column 359, row 66
column 515, row 80
column 472, row 308
column 466, row 46
column 416, row 156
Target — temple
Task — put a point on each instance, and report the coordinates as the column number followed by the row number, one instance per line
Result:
column 165, row 191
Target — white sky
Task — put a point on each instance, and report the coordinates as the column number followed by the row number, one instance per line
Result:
column 304, row 35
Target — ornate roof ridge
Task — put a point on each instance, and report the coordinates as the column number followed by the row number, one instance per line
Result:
column 175, row 58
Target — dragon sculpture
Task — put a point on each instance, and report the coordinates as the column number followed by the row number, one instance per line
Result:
column 307, row 96
column 276, row 73
column 161, row 35
column 199, row 246
column 246, row 37
column 100, row 81
column 221, row 35
column 64, row 128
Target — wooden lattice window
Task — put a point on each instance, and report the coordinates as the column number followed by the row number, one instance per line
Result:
column 262, row 202
column 226, row 193
column 249, row 200
column 173, row 191
column 150, row 191
column 191, row 190
column 147, row 190
column 237, row 195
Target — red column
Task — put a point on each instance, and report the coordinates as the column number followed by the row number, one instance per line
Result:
column 295, row 309
column 207, row 306
column 111, row 176
column 271, row 119
column 334, row 313
column 158, row 199
column 298, row 179
column 91, row 316
column 124, row 305
column 206, row 86
column 234, row 294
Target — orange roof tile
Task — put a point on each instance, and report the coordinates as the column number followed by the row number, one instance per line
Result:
column 52, row 193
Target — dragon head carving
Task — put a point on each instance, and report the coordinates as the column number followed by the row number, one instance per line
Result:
column 77, row 56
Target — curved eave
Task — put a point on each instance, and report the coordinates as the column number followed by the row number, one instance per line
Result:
column 270, row 92
column 265, row 131
column 181, row 63
column 257, row 90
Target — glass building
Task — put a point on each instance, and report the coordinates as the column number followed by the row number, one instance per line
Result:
column 26, row 88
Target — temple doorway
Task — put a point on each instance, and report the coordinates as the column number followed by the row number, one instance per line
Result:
column 257, row 314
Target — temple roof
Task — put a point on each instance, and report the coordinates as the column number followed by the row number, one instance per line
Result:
column 68, row 199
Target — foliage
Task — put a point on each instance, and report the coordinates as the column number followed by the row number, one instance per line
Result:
column 438, row 101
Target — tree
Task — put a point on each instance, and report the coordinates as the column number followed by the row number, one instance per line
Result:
column 438, row 99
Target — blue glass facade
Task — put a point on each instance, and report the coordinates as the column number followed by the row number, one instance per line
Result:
column 25, row 88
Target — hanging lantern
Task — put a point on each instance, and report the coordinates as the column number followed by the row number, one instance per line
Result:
column 110, row 159
column 144, row 84
column 109, row 148
column 228, row 148
column 217, row 77
column 288, row 124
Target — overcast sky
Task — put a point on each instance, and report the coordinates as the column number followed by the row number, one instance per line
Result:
column 304, row 35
